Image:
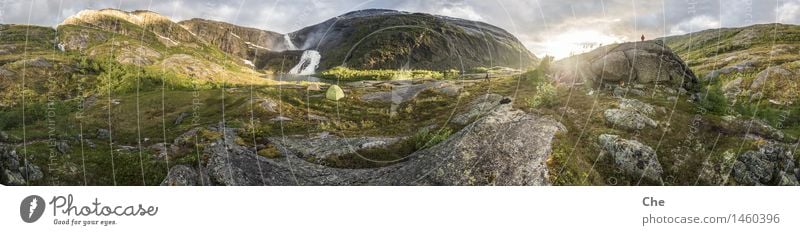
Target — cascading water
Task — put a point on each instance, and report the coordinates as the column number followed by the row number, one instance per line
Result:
column 309, row 60
column 308, row 64
column 289, row 44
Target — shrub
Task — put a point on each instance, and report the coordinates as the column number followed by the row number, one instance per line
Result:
column 347, row 74
column 425, row 138
column 545, row 96
column 714, row 101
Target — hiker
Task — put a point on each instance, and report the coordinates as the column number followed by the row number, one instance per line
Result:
column 642, row 37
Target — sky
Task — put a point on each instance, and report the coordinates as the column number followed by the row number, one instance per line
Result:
column 552, row 27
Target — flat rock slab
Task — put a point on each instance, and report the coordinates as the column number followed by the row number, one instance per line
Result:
column 505, row 147
column 331, row 146
column 405, row 92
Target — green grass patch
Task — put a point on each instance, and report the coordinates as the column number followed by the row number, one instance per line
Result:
column 347, row 74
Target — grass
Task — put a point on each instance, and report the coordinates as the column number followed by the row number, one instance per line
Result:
column 347, row 74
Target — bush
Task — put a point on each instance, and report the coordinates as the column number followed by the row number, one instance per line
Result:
column 714, row 102
column 545, row 96
column 425, row 138
column 347, row 74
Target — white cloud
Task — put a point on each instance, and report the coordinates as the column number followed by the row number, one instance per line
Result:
column 695, row 24
column 789, row 13
column 464, row 12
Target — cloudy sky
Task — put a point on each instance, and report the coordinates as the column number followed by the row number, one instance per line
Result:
column 555, row 27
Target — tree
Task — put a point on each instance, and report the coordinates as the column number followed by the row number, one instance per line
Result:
column 544, row 65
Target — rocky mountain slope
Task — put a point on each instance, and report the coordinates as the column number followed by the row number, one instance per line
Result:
column 758, row 62
column 388, row 39
column 236, row 40
column 373, row 39
column 144, row 38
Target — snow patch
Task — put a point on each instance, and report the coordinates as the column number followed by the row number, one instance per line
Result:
column 168, row 39
column 247, row 62
column 187, row 30
column 256, row 46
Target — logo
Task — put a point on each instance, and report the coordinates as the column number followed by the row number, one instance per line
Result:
column 31, row 208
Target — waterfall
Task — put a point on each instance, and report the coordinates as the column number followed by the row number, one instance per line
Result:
column 289, row 44
column 308, row 64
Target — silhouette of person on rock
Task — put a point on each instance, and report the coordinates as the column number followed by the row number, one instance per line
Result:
column 642, row 37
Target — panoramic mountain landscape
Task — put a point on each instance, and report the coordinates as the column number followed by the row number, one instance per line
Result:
column 387, row 97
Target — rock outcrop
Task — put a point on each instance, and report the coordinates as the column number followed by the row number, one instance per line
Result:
column 325, row 146
column 183, row 175
column 15, row 170
column 771, row 164
column 633, row 62
column 634, row 159
column 631, row 115
column 480, row 106
column 504, row 147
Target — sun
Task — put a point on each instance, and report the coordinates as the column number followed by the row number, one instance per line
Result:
column 575, row 41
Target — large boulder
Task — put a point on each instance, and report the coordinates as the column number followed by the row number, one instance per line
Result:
column 613, row 67
column 633, row 158
column 637, row 62
column 504, row 147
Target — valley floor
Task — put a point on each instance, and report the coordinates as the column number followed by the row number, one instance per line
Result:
column 135, row 139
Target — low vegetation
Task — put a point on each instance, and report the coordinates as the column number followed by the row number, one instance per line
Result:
column 347, row 74
column 426, row 137
column 545, row 91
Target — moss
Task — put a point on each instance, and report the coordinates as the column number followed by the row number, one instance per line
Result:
column 270, row 151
